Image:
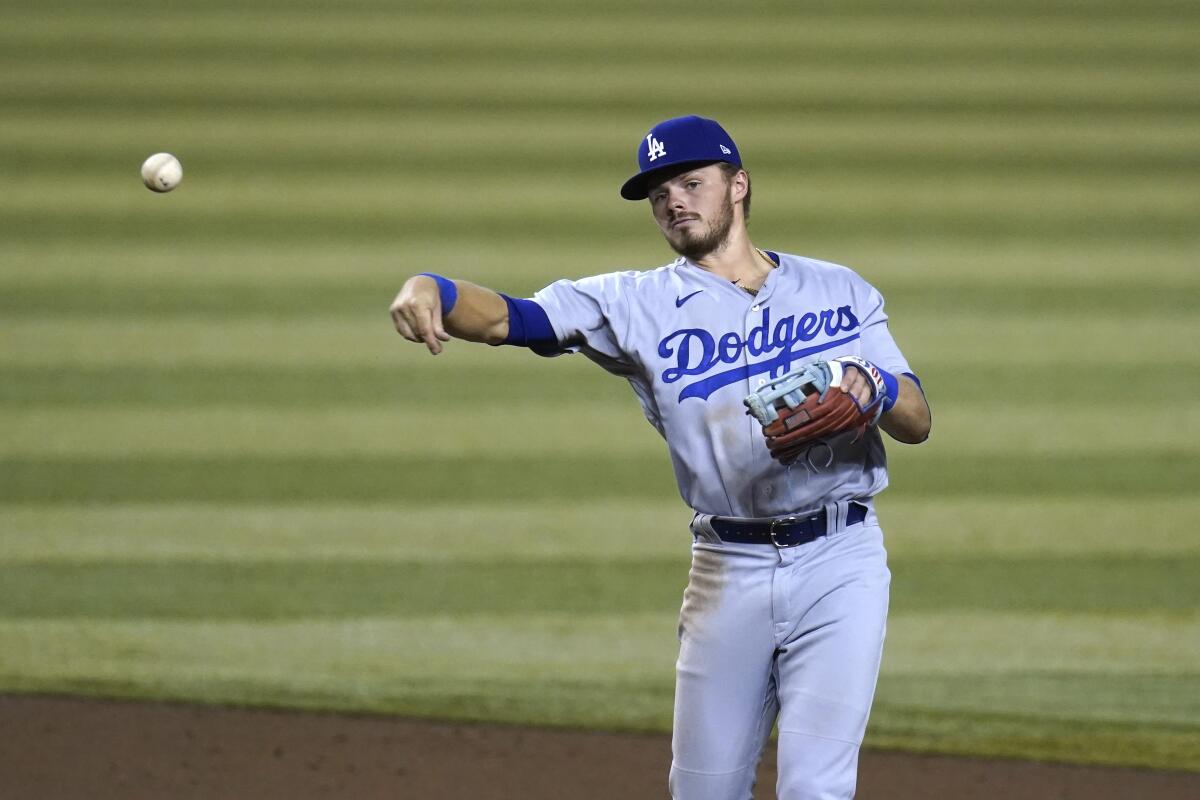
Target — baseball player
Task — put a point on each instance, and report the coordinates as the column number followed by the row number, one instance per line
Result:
column 783, row 617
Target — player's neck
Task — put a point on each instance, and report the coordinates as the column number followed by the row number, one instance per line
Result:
column 738, row 261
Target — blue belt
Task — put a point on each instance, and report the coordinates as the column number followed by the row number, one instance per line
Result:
column 785, row 531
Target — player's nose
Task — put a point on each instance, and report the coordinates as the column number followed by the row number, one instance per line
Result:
column 675, row 200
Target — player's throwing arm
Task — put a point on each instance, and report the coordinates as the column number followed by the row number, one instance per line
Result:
column 431, row 309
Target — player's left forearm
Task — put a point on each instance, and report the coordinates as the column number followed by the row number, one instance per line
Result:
column 909, row 419
column 480, row 315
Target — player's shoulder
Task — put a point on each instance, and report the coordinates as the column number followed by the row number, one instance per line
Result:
column 816, row 266
column 633, row 281
column 806, row 269
column 651, row 275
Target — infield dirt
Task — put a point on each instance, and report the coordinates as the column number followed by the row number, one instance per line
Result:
column 65, row 747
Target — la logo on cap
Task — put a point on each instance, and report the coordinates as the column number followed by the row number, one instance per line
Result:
column 657, row 148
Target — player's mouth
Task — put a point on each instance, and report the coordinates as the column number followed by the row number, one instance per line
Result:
column 675, row 223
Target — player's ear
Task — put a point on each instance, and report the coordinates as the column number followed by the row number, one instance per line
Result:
column 739, row 184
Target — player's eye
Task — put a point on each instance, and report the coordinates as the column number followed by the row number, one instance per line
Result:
column 693, row 184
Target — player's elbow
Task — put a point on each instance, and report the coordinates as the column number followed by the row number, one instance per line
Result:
column 908, row 425
column 910, row 420
column 908, row 435
column 496, row 332
column 480, row 316
column 919, row 434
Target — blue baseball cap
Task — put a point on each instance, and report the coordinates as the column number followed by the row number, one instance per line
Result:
column 676, row 142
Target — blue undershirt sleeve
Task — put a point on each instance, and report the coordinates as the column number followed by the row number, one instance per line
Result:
column 528, row 326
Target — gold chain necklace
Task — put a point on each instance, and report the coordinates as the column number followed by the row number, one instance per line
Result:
column 747, row 289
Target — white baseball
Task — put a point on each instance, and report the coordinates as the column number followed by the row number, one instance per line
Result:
column 161, row 172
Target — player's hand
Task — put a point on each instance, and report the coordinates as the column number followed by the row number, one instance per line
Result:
column 417, row 313
column 858, row 386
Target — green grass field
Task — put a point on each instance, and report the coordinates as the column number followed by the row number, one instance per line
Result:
column 223, row 477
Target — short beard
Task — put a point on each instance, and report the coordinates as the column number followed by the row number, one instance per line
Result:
column 696, row 247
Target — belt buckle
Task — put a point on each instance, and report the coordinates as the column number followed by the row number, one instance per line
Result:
column 780, row 521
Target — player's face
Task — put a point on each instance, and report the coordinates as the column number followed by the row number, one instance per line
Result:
column 694, row 210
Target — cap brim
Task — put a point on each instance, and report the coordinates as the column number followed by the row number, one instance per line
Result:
column 638, row 187
column 635, row 188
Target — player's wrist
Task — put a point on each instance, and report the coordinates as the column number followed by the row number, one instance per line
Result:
column 885, row 385
column 891, row 388
column 447, row 291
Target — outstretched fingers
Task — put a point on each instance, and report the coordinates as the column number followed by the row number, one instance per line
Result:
column 439, row 328
column 401, row 324
column 430, row 328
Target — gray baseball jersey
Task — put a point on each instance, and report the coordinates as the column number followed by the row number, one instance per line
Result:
column 692, row 345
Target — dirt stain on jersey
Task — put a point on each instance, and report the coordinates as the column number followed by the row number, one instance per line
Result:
column 729, row 420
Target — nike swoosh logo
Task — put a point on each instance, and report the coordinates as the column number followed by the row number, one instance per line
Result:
column 679, row 301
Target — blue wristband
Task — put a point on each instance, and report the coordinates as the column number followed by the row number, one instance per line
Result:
column 891, row 389
column 446, row 290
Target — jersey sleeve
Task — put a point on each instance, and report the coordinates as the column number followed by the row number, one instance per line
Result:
column 878, row 346
column 590, row 315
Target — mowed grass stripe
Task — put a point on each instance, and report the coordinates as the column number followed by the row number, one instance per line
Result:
column 600, row 650
column 207, row 220
column 564, row 228
column 408, row 388
column 419, row 387
column 552, row 668
column 559, row 702
column 1075, row 337
column 936, row 473
column 1149, row 698
column 331, row 589
column 427, row 84
column 522, row 478
column 426, row 477
column 418, row 479
column 297, row 96
column 310, row 158
column 264, row 135
column 859, row 146
column 1125, row 584
column 419, row 647
column 277, row 296
column 605, row 530
column 218, row 197
column 922, row 277
column 1005, row 642
column 597, row 530
column 813, row 46
column 270, row 590
column 1035, row 427
column 418, row 39
column 522, row 267
column 457, row 424
column 1004, row 527
column 1026, row 423
column 865, row 35
column 820, row 9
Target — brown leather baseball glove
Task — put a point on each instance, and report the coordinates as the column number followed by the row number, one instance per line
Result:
column 804, row 407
